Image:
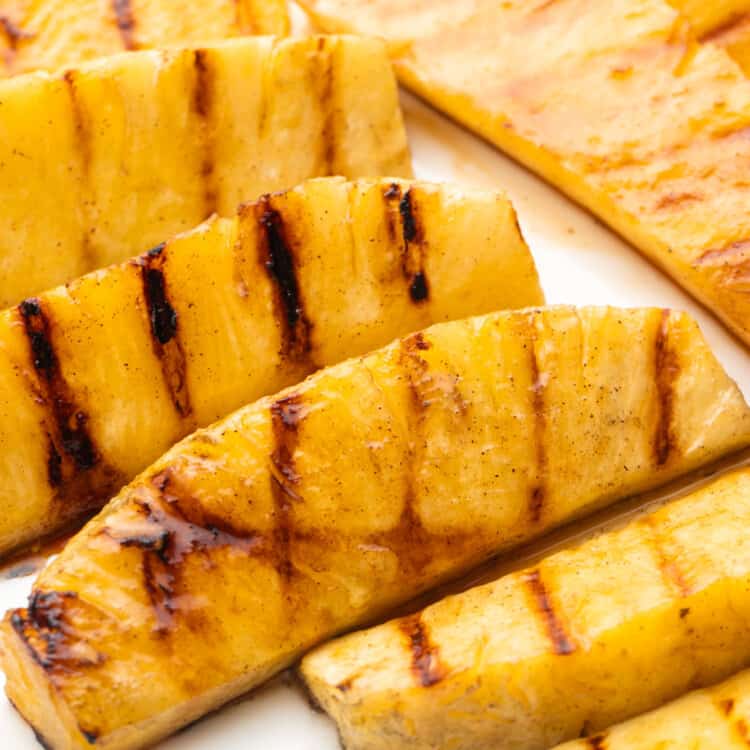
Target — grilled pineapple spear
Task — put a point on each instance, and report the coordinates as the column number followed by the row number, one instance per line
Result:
column 100, row 163
column 99, row 378
column 711, row 719
column 316, row 509
column 613, row 102
column 588, row 637
column 49, row 34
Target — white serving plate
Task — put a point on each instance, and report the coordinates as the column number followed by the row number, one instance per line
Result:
column 580, row 262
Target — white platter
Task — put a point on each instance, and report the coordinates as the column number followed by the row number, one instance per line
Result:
column 580, row 262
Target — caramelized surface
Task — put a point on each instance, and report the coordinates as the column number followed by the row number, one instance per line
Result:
column 99, row 378
column 321, row 507
column 102, row 162
column 615, row 103
column 585, row 638
column 50, row 34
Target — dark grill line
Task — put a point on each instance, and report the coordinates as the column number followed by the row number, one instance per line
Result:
column 125, row 21
column 163, row 325
column 278, row 260
column 562, row 644
column 425, row 656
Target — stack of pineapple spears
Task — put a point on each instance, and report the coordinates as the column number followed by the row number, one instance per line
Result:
column 322, row 507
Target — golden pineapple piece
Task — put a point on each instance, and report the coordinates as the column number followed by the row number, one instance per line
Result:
column 613, row 102
column 100, row 163
column 711, row 719
column 321, row 507
column 100, row 377
column 590, row 636
column 49, row 34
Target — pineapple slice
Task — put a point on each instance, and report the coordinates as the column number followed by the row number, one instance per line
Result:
column 613, row 102
column 99, row 378
column 715, row 719
column 100, row 163
column 49, row 34
column 321, row 507
column 590, row 636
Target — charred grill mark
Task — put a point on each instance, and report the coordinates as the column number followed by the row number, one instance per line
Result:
column 125, row 21
column 414, row 248
column 391, row 202
column 538, row 490
column 666, row 370
column 414, row 545
column 597, row 742
column 286, row 416
column 90, row 736
column 425, row 656
column 727, row 255
column 743, row 730
column 83, row 141
column 176, row 527
column 278, row 260
column 718, row 32
column 668, row 566
column 562, row 644
column 164, row 328
column 402, row 209
column 326, row 88
column 675, row 200
column 203, row 102
column 15, row 35
column 69, row 430
column 47, row 633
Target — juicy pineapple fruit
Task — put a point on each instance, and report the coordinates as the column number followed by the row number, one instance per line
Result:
column 615, row 103
column 319, row 508
column 49, row 34
column 102, row 162
column 100, row 377
column 588, row 637
column 711, row 719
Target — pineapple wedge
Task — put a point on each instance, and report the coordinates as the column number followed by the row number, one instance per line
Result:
column 49, row 34
column 319, row 508
column 100, row 377
column 613, row 102
column 100, row 163
column 590, row 636
column 715, row 719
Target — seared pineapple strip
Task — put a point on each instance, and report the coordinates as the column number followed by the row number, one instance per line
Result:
column 613, row 102
column 588, row 637
column 311, row 511
column 100, row 163
column 99, row 378
column 715, row 719
column 49, row 34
